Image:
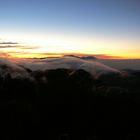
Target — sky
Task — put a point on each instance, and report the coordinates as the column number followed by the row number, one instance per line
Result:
column 35, row 28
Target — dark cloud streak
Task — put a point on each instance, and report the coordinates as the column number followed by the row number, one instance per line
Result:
column 14, row 46
column 4, row 43
column 8, row 46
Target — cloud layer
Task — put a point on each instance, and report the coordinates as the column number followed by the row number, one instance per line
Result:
column 19, row 68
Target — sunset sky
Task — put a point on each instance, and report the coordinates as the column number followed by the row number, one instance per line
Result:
column 35, row 28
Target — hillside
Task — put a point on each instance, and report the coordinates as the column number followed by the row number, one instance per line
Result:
column 68, row 103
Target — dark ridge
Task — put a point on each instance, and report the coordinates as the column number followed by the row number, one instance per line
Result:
column 83, row 57
column 89, row 58
column 63, row 104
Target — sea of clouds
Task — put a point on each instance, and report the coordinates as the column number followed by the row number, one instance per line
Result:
column 19, row 68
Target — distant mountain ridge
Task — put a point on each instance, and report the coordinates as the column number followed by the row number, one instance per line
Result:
column 82, row 57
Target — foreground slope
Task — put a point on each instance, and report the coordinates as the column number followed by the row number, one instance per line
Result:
column 40, row 99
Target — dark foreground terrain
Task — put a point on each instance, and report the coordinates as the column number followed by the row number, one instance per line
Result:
column 70, row 105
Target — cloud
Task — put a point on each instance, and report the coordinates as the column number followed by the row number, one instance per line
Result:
column 8, row 43
column 19, row 67
column 26, row 47
column 5, row 55
column 9, row 67
column 123, row 64
column 104, row 56
column 17, row 46
column 94, row 67
column 8, row 46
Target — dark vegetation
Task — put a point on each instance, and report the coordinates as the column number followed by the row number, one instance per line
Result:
column 70, row 105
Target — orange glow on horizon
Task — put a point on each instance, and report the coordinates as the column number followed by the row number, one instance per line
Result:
column 57, row 45
column 46, row 55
